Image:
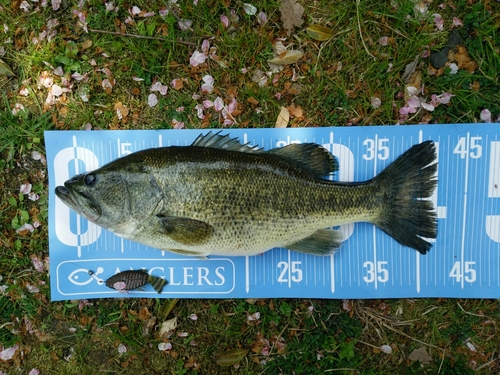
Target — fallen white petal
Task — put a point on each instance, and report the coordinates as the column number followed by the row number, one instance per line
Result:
column 386, row 349
column 56, row 90
column 485, row 115
column 249, row 9
column 164, row 346
column 152, row 100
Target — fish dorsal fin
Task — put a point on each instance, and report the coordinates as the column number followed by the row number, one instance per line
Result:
column 223, row 142
column 310, row 156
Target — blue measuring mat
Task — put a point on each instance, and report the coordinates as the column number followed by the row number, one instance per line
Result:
column 463, row 262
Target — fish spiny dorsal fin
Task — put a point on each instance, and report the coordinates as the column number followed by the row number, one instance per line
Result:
column 223, row 142
column 310, row 156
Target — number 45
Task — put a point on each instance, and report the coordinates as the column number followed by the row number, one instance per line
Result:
column 469, row 273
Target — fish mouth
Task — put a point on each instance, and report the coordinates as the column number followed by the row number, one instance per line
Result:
column 82, row 203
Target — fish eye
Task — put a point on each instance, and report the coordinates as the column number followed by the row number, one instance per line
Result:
column 90, row 179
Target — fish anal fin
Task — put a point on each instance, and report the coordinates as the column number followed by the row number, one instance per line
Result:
column 322, row 242
column 185, row 230
column 311, row 156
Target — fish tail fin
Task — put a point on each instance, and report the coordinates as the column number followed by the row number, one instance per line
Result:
column 406, row 215
column 157, row 283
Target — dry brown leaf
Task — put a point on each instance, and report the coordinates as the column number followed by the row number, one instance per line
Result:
column 464, row 61
column 121, row 110
column 421, row 355
column 283, row 118
column 287, row 58
column 410, row 69
column 167, row 326
column 318, row 32
column 296, row 111
column 177, row 84
column 87, row 43
column 231, row 357
column 475, row 86
column 291, row 15
column 5, row 69
column 253, row 101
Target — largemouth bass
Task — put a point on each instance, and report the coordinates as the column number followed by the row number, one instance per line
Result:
column 218, row 196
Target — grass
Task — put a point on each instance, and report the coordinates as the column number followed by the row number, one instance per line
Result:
column 333, row 84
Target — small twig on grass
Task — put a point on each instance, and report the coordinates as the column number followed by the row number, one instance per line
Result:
column 361, row 33
column 140, row 36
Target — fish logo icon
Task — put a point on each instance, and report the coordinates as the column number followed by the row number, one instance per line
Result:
column 80, row 280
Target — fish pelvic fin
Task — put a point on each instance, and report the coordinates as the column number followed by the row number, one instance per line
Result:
column 322, row 242
column 157, row 283
column 406, row 214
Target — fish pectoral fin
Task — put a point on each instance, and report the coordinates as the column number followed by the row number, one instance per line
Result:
column 310, row 156
column 322, row 242
column 185, row 230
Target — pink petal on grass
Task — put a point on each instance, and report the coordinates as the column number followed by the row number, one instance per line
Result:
column 254, row 316
column 199, row 111
column 33, row 196
column 376, row 102
column 164, row 346
column 208, row 103
column 197, row 58
column 407, row 110
column 56, row 4
column 224, row 20
column 177, row 124
column 438, row 21
column 157, row 86
column 122, row 349
column 485, row 115
column 57, row 90
column 205, row 46
column 427, row 106
column 35, row 371
column 457, row 21
column 444, row 98
column 384, row 40
column 414, row 102
column 218, row 104
column 262, row 18
column 184, row 24
column 208, row 85
column 25, row 188
column 8, row 353
column 37, row 263
column 32, row 288
column 25, row 227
